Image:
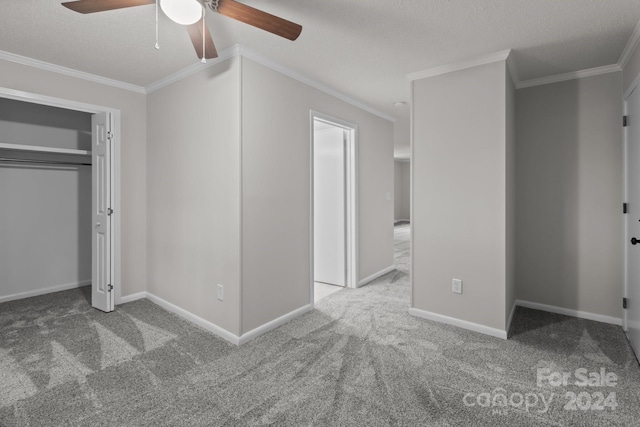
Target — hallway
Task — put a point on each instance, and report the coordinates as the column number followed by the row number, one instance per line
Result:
column 402, row 260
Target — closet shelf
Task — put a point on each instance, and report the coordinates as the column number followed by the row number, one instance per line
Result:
column 39, row 149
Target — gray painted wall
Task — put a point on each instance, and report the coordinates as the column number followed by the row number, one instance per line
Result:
column 276, row 194
column 397, row 190
column 222, row 208
column 401, row 194
column 511, row 225
column 26, row 123
column 569, row 167
column 631, row 70
column 193, row 197
column 45, row 214
column 133, row 155
column 459, row 194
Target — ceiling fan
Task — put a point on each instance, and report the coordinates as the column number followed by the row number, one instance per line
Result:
column 191, row 14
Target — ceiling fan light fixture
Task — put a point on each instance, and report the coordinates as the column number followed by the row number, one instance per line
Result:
column 183, row 12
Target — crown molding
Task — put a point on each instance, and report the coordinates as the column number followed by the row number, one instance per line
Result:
column 512, row 70
column 192, row 69
column 629, row 49
column 46, row 66
column 569, row 76
column 456, row 66
column 235, row 50
column 276, row 66
column 631, row 46
column 239, row 50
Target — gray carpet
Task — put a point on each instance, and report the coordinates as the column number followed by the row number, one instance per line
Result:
column 358, row 360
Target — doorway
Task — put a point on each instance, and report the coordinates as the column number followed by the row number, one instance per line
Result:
column 632, row 223
column 334, row 205
column 103, row 218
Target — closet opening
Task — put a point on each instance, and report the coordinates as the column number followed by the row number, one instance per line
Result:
column 59, row 175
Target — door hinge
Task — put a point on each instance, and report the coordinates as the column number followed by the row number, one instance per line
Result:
column 625, row 121
column 110, row 211
column 110, row 135
column 624, row 303
column 110, row 287
column 625, row 208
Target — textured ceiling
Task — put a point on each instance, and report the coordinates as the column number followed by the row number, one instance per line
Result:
column 363, row 48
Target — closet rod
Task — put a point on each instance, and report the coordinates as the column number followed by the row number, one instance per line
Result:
column 49, row 162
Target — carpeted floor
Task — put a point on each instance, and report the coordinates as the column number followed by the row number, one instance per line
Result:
column 359, row 359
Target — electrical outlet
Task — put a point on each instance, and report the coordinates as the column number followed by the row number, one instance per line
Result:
column 220, row 292
column 456, row 286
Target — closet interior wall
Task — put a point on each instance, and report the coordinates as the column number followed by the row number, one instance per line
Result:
column 45, row 208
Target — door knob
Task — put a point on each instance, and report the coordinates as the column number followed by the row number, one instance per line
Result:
column 634, row 241
column 98, row 225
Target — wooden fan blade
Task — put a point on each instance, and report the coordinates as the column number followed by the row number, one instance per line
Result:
column 257, row 18
column 92, row 6
column 195, row 32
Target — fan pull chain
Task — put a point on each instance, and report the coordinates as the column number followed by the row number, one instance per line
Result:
column 204, row 30
column 157, row 44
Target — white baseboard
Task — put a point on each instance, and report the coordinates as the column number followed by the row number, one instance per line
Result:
column 254, row 333
column 510, row 319
column 44, row 291
column 133, row 297
column 476, row 327
column 376, row 275
column 205, row 324
column 570, row 312
column 212, row 327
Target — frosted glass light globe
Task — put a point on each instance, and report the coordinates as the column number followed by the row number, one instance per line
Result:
column 184, row 12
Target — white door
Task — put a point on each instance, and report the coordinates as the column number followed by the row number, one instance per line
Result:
column 102, row 296
column 633, row 219
column 329, row 214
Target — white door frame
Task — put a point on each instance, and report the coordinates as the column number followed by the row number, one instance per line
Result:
column 351, row 191
column 635, row 85
column 116, row 247
column 625, row 198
